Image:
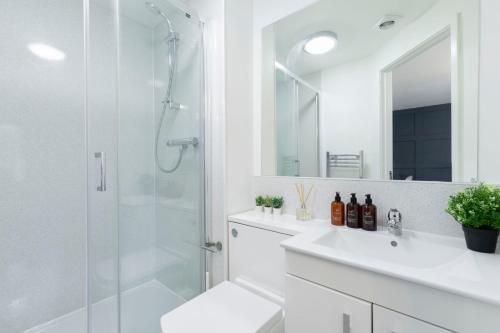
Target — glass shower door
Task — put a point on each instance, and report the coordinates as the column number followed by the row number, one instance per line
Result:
column 308, row 131
column 288, row 163
column 42, row 167
column 297, row 126
column 161, row 162
column 102, row 201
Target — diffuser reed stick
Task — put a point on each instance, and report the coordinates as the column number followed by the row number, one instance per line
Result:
column 303, row 213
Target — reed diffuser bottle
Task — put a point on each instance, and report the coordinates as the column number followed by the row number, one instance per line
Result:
column 303, row 213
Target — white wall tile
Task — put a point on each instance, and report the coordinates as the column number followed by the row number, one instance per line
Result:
column 422, row 204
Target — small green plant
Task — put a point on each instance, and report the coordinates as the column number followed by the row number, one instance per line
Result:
column 278, row 202
column 476, row 207
column 259, row 201
column 268, row 201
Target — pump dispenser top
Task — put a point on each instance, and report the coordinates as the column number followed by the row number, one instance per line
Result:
column 368, row 199
column 354, row 200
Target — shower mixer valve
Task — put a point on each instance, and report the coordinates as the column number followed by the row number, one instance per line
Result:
column 184, row 142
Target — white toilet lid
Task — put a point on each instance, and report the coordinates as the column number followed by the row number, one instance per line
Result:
column 225, row 308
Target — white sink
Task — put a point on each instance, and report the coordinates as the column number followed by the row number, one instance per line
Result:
column 436, row 261
column 413, row 250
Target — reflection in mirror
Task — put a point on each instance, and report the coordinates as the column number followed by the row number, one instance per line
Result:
column 370, row 89
column 297, row 106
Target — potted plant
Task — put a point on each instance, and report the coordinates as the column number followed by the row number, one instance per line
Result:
column 277, row 205
column 259, row 204
column 268, row 205
column 477, row 208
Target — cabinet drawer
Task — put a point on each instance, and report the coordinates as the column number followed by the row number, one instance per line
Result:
column 387, row 321
column 313, row 308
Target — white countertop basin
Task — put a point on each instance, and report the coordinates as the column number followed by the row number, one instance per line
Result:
column 436, row 261
column 411, row 250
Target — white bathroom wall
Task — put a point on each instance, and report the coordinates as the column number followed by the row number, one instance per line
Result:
column 412, row 198
column 489, row 116
column 239, row 128
column 349, row 118
column 422, row 204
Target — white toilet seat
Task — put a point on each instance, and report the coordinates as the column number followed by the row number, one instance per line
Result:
column 226, row 308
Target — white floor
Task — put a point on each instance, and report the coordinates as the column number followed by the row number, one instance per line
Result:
column 141, row 309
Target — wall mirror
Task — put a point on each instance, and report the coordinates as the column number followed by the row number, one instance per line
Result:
column 372, row 89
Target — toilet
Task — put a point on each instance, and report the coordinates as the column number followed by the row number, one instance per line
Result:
column 251, row 301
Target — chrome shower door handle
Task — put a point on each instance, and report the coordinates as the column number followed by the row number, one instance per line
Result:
column 346, row 323
column 101, row 171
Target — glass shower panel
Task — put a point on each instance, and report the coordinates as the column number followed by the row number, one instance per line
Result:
column 102, row 125
column 42, row 167
column 288, row 163
column 161, row 154
column 307, row 131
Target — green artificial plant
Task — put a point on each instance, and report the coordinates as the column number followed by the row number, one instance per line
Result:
column 476, row 207
column 268, row 201
column 278, row 202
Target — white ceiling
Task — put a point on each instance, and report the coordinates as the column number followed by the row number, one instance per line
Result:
column 352, row 20
column 424, row 80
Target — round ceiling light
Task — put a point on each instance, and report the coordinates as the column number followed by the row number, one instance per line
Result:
column 320, row 42
column 46, row 52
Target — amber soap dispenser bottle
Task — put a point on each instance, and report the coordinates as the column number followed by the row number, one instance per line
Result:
column 369, row 213
column 354, row 219
column 338, row 211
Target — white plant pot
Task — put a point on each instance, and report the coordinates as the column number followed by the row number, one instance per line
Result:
column 277, row 211
column 268, row 210
column 259, row 209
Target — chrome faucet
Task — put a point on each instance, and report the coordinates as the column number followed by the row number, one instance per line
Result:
column 395, row 222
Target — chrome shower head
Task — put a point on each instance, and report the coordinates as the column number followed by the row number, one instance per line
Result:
column 153, row 8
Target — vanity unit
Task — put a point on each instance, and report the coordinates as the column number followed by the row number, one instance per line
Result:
column 337, row 279
column 344, row 280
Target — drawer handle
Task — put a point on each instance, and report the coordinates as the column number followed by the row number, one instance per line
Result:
column 234, row 232
column 346, row 323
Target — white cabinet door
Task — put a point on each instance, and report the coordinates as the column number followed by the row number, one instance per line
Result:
column 255, row 255
column 387, row 321
column 312, row 308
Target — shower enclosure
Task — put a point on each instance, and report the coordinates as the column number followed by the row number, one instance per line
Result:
column 102, row 207
column 297, row 126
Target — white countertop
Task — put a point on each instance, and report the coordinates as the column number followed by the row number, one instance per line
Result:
column 470, row 274
column 285, row 224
